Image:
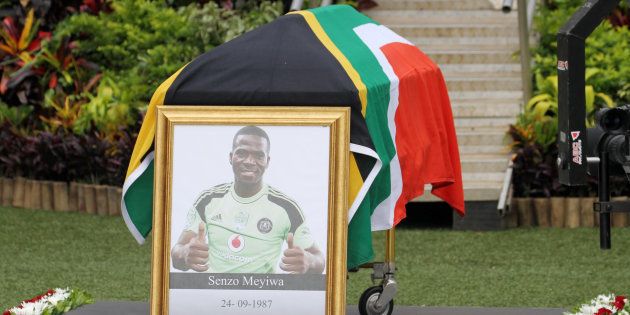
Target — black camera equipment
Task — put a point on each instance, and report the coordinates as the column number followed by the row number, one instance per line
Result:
column 608, row 142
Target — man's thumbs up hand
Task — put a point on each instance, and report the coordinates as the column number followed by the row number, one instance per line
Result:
column 290, row 240
column 201, row 236
column 295, row 259
column 197, row 251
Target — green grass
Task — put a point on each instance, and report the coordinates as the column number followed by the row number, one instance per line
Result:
column 515, row 268
column 42, row 250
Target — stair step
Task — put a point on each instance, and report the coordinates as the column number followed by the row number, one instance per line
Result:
column 474, row 43
column 483, row 177
column 487, row 129
column 468, row 57
column 488, row 75
column 491, row 164
column 481, row 137
column 483, row 149
column 475, row 46
column 487, row 95
column 481, row 69
column 484, row 101
column 454, row 30
column 485, row 109
column 437, row 17
column 481, row 122
column 434, row 5
column 484, row 84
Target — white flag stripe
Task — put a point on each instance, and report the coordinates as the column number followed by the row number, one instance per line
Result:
column 368, row 181
column 375, row 37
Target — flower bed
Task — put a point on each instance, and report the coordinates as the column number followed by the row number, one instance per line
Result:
column 52, row 302
column 605, row 304
column 75, row 78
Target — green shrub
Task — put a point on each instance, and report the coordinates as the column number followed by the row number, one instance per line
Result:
column 141, row 43
column 214, row 26
column 65, row 156
column 534, row 148
column 108, row 109
column 607, row 49
column 14, row 115
column 546, row 102
column 97, row 74
column 607, row 77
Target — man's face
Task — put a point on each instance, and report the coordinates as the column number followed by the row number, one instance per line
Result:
column 249, row 158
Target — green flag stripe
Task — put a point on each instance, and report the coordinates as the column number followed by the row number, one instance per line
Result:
column 340, row 31
column 138, row 197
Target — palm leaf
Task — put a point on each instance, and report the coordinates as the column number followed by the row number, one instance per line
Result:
column 543, row 107
column 590, row 72
column 608, row 101
column 538, row 98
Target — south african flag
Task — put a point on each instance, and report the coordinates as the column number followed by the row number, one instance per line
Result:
column 402, row 132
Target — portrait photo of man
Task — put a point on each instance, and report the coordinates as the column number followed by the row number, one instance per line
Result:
column 246, row 225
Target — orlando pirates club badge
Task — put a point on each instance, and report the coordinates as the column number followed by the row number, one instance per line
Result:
column 264, row 225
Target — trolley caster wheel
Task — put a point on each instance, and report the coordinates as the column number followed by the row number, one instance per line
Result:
column 367, row 303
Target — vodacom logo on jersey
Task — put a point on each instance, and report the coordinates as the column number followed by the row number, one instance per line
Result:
column 236, row 242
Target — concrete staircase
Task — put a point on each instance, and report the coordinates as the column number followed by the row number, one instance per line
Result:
column 475, row 45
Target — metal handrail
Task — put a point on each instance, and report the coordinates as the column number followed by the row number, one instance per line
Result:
column 531, row 8
column 296, row 5
column 505, row 197
column 506, row 7
column 523, row 31
column 526, row 10
column 525, row 20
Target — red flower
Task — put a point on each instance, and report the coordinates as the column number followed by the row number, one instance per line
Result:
column 603, row 311
column 39, row 297
column 35, row 299
column 619, row 302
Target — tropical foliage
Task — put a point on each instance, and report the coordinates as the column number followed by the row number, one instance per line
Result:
column 546, row 102
column 607, row 48
column 607, row 78
column 534, row 147
column 75, row 76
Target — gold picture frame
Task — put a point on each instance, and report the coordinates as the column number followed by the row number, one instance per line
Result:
column 182, row 135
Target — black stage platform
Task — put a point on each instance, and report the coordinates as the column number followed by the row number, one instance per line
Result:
column 142, row 308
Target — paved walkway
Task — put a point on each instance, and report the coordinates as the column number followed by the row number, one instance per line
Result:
column 142, row 308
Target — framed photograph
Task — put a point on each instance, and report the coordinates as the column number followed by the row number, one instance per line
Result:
column 250, row 210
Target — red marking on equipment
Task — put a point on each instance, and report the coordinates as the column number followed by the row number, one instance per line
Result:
column 575, row 135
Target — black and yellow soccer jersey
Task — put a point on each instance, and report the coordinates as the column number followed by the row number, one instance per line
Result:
column 245, row 235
